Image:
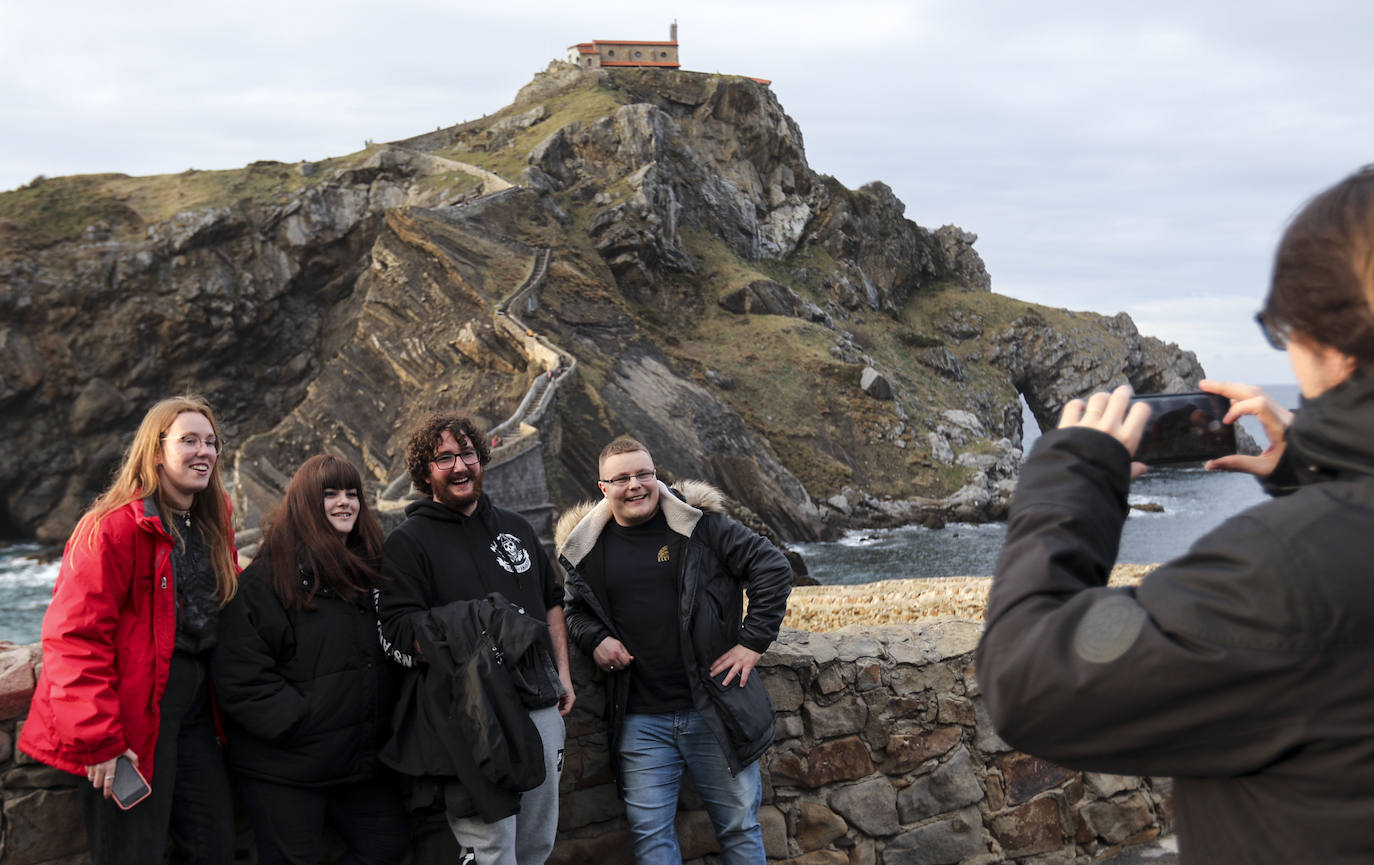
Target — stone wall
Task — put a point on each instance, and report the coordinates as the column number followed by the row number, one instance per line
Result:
column 518, row 483
column 884, row 756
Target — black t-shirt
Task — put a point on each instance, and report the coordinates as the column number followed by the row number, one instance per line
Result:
column 641, row 586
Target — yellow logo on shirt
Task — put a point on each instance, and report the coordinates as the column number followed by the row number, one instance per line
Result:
column 663, row 554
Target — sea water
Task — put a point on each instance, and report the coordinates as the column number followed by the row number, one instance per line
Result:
column 1193, row 502
column 27, row 573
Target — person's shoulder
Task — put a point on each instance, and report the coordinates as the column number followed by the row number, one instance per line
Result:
column 128, row 516
column 117, row 527
column 418, row 520
column 256, row 589
column 257, row 576
column 701, row 495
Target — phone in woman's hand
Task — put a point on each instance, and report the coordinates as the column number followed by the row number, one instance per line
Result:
column 130, row 787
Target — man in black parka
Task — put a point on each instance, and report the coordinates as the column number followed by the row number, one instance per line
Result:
column 653, row 585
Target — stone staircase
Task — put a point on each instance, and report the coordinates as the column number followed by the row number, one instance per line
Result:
column 515, row 476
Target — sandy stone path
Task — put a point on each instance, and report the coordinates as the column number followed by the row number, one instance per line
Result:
column 889, row 602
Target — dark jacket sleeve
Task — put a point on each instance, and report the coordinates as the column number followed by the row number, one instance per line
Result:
column 548, row 576
column 585, row 628
column 255, row 637
column 406, row 596
column 1163, row 679
column 767, row 578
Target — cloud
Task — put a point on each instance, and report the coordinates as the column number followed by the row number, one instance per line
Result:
column 1109, row 156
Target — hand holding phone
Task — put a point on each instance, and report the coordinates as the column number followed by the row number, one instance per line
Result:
column 1247, row 399
column 1114, row 414
column 130, row 787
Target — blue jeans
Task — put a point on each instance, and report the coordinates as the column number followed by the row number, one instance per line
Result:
column 654, row 749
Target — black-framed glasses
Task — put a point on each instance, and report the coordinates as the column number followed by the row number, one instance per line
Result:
column 446, row 461
column 624, row 480
column 1275, row 333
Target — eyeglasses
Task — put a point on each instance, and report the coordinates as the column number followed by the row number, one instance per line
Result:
column 624, row 480
column 1276, row 333
column 446, row 461
column 192, row 443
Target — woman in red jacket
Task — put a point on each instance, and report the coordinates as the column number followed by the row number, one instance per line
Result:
column 126, row 643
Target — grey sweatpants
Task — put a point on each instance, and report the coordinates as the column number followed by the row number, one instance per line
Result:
column 525, row 838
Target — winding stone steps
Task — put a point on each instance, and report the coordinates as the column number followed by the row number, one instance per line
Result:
column 515, row 476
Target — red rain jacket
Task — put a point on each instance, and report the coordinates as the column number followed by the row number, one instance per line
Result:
column 108, row 637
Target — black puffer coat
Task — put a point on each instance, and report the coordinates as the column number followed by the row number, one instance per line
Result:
column 307, row 695
column 718, row 558
column 1242, row 669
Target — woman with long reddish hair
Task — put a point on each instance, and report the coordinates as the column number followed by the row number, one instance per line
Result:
column 301, row 678
column 126, row 645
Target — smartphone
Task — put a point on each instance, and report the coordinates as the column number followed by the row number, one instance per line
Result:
column 130, row 787
column 1185, row 428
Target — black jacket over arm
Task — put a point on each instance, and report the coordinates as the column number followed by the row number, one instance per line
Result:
column 463, row 716
column 1241, row 669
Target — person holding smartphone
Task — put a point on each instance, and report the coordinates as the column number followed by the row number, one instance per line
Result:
column 126, row 647
column 302, row 680
column 1242, row 668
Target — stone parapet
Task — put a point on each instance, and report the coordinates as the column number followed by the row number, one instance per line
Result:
column 884, row 756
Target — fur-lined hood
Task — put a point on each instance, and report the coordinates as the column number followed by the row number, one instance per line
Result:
column 580, row 526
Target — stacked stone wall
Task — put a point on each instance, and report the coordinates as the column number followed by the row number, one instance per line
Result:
column 884, row 756
column 519, row 484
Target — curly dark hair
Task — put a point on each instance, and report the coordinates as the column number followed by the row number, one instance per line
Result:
column 424, row 440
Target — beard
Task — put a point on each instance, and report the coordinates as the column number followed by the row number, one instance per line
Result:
column 458, row 500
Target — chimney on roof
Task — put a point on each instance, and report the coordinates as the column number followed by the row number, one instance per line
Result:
column 672, row 31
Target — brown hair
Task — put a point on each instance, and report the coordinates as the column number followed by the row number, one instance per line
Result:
column 622, row 445
column 298, row 536
column 138, row 478
column 424, row 439
column 1323, row 281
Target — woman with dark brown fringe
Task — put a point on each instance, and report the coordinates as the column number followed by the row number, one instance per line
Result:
column 301, row 678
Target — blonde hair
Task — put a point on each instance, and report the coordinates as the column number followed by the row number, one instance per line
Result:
column 138, row 478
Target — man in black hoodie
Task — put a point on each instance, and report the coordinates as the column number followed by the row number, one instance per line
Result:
column 459, row 547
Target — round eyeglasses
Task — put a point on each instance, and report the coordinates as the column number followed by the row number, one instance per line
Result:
column 192, row 443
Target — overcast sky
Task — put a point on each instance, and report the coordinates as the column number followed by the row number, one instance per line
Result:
column 1140, row 157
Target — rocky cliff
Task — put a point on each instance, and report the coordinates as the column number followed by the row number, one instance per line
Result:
column 804, row 346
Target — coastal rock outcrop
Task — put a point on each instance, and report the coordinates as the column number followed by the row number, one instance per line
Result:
column 666, row 250
column 1052, row 363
